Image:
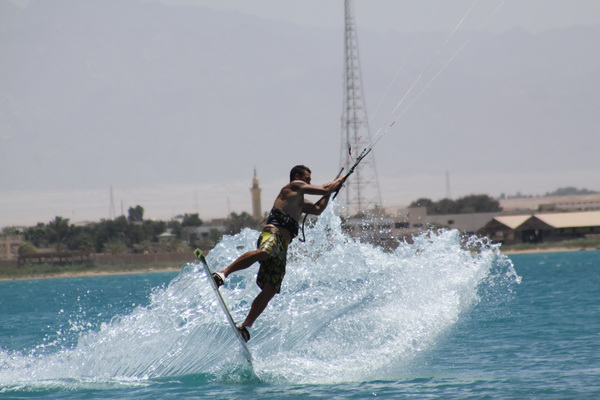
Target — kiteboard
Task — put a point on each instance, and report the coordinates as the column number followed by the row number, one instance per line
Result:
column 224, row 307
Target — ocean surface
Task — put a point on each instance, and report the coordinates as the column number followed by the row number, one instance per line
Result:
column 429, row 320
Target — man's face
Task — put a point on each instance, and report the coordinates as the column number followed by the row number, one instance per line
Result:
column 305, row 177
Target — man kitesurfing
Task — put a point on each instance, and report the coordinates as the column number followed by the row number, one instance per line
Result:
column 280, row 229
column 282, row 223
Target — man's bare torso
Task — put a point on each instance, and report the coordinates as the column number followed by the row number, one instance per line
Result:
column 291, row 198
column 291, row 201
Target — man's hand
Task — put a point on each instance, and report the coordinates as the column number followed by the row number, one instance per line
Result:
column 338, row 184
column 334, row 186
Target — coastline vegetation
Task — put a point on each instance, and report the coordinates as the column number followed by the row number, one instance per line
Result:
column 123, row 235
column 119, row 236
column 476, row 203
column 134, row 235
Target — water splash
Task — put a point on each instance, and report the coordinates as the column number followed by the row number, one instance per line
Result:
column 348, row 311
column 352, row 312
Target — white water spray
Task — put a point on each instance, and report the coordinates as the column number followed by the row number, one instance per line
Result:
column 348, row 311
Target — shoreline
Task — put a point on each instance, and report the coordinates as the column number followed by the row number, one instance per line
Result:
column 124, row 271
column 548, row 250
column 149, row 270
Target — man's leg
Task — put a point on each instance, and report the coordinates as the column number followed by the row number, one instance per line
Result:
column 259, row 304
column 245, row 260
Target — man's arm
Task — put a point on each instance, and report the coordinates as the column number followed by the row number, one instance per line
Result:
column 322, row 190
column 318, row 207
column 326, row 190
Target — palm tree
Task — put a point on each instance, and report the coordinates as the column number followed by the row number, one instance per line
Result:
column 58, row 231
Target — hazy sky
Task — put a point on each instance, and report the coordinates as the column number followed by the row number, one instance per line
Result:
column 390, row 15
column 173, row 103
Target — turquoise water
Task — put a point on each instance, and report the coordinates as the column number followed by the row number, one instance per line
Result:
column 428, row 321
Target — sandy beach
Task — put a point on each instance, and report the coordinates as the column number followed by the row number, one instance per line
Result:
column 69, row 274
column 548, row 250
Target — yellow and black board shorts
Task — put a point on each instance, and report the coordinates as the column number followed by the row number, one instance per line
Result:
column 272, row 269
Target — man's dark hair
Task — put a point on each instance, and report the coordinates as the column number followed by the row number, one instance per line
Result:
column 299, row 169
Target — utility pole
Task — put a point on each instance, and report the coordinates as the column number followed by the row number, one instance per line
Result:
column 111, row 208
column 362, row 188
column 448, row 195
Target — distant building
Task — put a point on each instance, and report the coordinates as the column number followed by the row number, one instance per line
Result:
column 194, row 233
column 503, row 228
column 376, row 227
column 543, row 227
column 166, row 236
column 532, row 219
column 586, row 202
column 386, row 229
column 255, row 191
column 9, row 247
column 417, row 218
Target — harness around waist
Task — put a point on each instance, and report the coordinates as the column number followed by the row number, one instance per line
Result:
column 280, row 218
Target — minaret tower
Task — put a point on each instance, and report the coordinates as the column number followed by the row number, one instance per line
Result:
column 255, row 190
column 362, row 188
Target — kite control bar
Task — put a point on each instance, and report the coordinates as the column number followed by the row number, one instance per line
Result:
column 362, row 155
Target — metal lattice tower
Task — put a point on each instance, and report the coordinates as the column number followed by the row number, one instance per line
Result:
column 362, row 188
